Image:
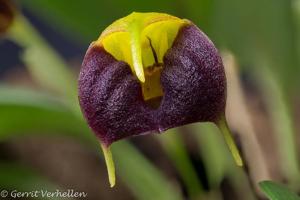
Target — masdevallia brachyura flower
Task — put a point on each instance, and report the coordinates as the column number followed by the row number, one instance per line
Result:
column 149, row 72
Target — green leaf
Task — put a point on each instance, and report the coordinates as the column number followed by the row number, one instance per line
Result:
column 213, row 151
column 281, row 117
column 218, row 161
column 87, row 20
column 145, row 181
column 266, row 38
column 275, row 191
column 46, row 67
column 26, row 111
column 13, row 176
column 177, row 152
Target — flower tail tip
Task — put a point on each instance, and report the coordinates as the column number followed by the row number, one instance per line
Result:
column 109, row 165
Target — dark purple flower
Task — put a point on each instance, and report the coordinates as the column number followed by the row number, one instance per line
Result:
column 149, row 72
column 192, row 79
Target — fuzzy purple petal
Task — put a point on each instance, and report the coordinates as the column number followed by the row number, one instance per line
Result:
column 193, row 81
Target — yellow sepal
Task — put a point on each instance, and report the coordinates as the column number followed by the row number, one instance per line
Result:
column 127, row 39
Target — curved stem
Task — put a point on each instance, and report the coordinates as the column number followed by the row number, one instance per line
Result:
column 109, row 165
column 177, row 152
column 281, row 118
column 223, row 126
column 43, row 63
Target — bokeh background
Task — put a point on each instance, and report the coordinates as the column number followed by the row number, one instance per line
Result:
column 45, row 143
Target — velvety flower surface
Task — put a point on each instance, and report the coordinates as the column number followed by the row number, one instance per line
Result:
column 188, row 82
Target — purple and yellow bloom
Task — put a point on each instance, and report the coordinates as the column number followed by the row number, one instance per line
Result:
column 149, row 72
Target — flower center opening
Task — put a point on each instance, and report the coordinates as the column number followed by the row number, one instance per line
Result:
column 151, row 88
column 141, row 40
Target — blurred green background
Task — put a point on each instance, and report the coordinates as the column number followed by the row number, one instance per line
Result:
column 45, row 143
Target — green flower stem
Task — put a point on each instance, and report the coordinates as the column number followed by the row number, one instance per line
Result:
column 144, row 179
column 280, row 115
column 211, row 147
column 223, row 126
column 176, row 151
column 109, row 164
column 43, row 62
